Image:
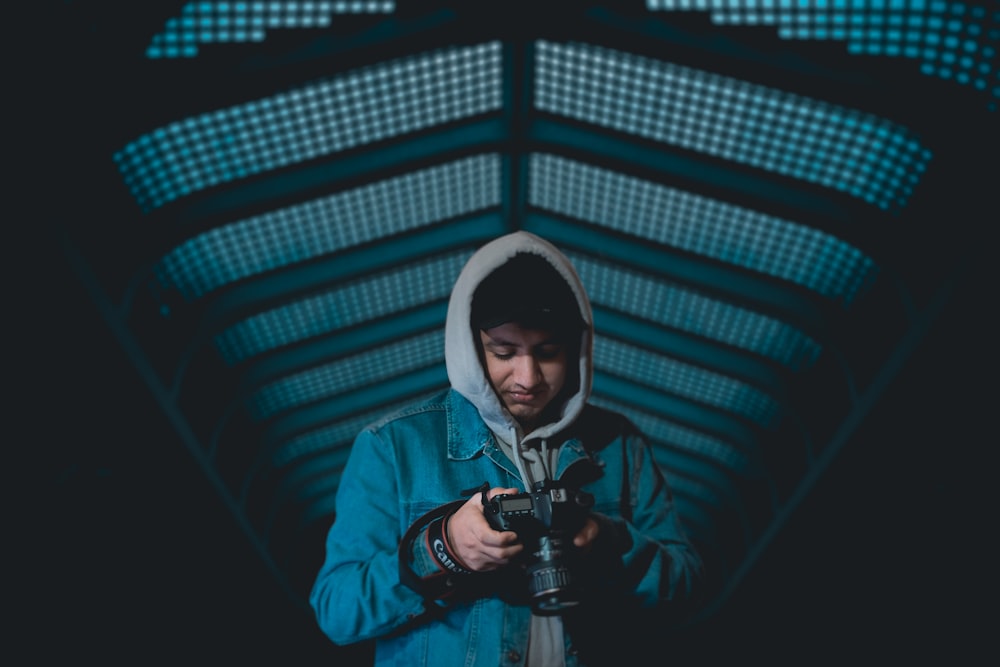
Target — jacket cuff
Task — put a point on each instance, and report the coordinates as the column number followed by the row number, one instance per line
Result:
column 436, row 543
column 426, row 562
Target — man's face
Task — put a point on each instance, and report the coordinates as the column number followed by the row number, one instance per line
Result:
column 527, row 368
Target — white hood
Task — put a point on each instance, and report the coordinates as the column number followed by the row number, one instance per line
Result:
column 465, row 371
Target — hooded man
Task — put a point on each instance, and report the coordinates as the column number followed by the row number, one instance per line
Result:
column 505, row 521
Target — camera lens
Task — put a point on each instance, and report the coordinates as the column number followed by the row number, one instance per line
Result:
column 549, row 580
column 552, row 600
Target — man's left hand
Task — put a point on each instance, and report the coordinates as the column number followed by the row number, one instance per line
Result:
column 585, row 538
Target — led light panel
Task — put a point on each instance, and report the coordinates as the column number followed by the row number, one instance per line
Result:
column 229, row 22
column 854, row 152
column 347, row 305
column 322, row 226
column 674, row 377
column 352, row 372
column 679, row 308
column 681, row 437
column 341, row 433
column 318, row 119
column 732, row 234
column 952, row 40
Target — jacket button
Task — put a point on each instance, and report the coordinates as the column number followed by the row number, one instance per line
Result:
column 513, row 656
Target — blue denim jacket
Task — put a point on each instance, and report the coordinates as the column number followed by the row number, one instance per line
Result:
column 421, row 458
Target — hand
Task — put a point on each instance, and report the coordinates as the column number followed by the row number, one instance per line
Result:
column 585, row 538
column 475, row 542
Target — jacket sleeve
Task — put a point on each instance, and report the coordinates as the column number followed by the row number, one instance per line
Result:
column 357, row 594
column 657, row 564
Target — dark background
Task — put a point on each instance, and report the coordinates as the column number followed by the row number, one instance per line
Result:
column 130, row 557
column 123, row 554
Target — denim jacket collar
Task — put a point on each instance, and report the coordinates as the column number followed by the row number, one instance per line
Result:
column 469, row 436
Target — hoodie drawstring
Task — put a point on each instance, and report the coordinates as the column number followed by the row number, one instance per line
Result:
column 538, row 460
column 515, row 445
column 546, row 463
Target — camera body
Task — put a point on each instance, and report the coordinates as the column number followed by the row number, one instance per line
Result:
column 546, row 520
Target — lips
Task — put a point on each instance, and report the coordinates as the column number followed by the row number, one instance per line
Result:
column 523, row 397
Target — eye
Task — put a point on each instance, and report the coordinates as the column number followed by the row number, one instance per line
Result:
column 548, row 351
column 503, row 354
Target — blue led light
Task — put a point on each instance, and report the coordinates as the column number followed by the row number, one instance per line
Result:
column 681, row 437
column 411, row 353
column 224, row 22
column 344, row 306
column 731, row 119
column 315, row 120
column 314, row 228
column 675, row 377
column 340, row 433
column 671, row 305
column 806, row 19
column 698, row 224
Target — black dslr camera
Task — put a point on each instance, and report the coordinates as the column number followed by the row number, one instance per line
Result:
column 546, row 521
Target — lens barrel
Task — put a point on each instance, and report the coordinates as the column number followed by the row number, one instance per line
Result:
column 550, row 581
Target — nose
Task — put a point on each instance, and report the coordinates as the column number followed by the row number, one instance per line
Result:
column 527, row 372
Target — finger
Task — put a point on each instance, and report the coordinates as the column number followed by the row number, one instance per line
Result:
column 497, row 538
column 475, row 542
column 496, row 556
column 587, row 534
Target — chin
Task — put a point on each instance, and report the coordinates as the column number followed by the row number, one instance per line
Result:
column 527, row 421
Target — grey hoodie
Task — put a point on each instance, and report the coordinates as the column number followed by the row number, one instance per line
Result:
column 465, row 371
column 468, row 377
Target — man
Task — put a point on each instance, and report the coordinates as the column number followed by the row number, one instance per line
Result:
column 505, row 521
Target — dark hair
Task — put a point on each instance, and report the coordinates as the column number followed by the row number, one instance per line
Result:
column 527, row 290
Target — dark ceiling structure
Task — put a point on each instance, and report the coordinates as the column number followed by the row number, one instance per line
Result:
column 773, row 205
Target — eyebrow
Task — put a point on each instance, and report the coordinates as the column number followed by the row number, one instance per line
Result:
column 501, row 342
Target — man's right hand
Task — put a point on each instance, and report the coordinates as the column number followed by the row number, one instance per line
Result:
column 475, row 542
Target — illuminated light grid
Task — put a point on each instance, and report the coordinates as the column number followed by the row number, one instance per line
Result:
column 321, row 508
column 321, row 493
column 686, row 310
column 682, row 486
column 673, row 462
column 699, row 526
column 331, row 462
column 701, row 225
column 412, row 353
column 675, row 377
column 331, row 115
column 350, row 304
column 860, row 154
column 681, row 437
column 952, row 40
column 340, row 433
column 322, row 226
column 234, row 22
column 314, row 500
